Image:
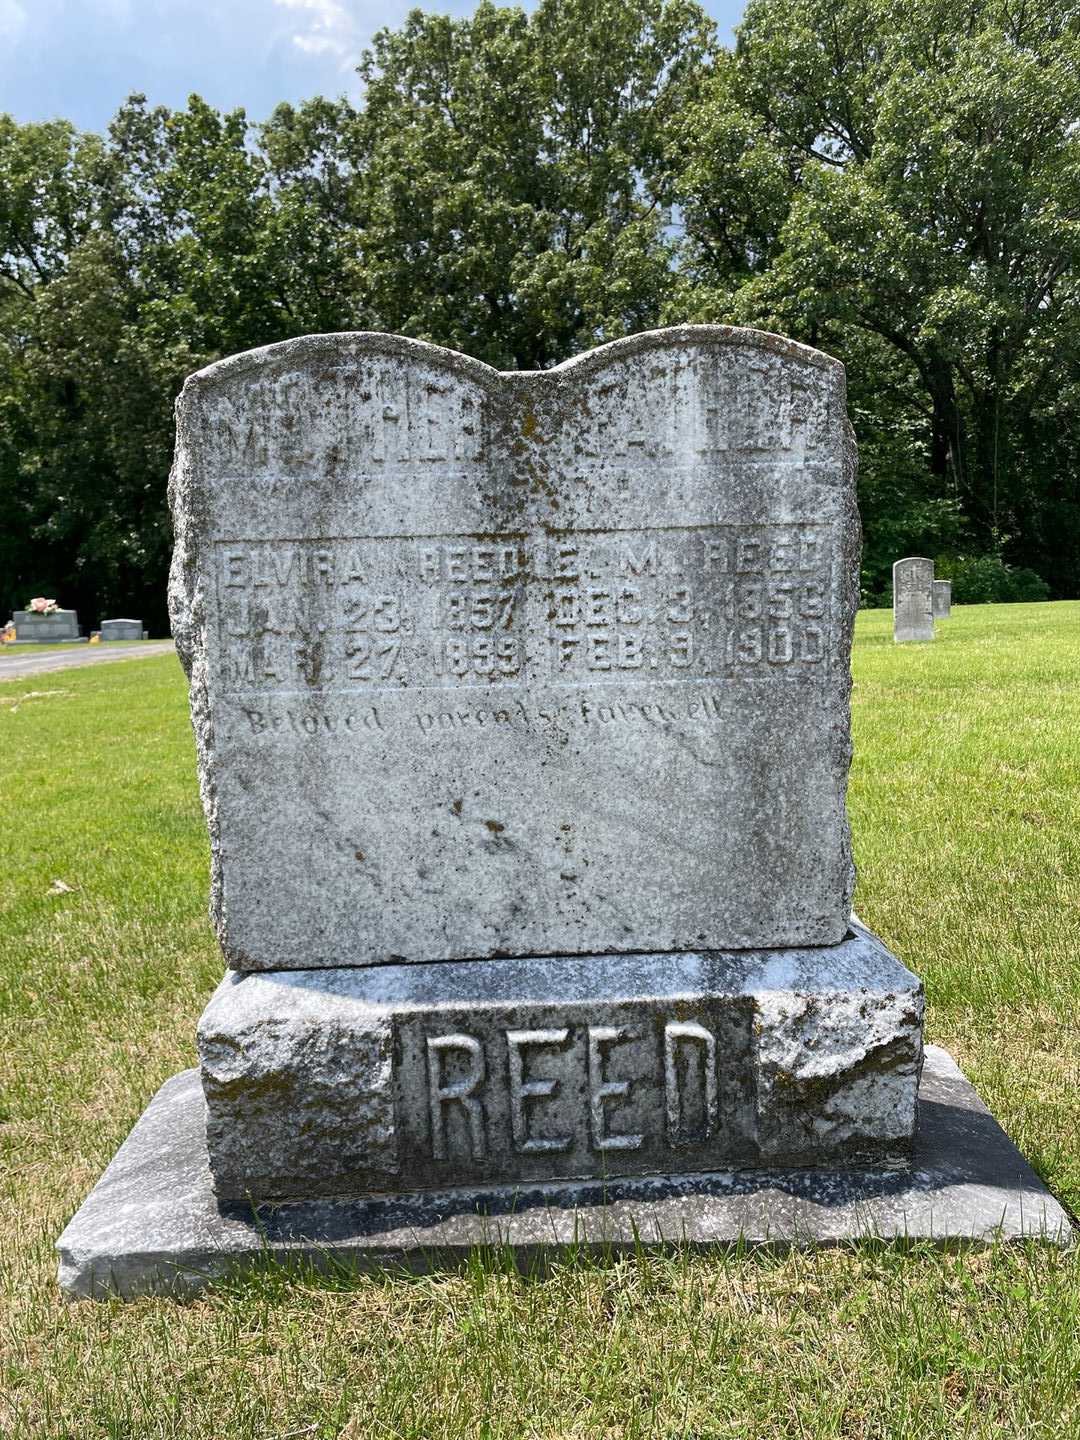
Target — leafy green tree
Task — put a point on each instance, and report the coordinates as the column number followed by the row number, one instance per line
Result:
column 49, row 178
column 94, row 402
column 897, row 184
column 502, row 182
column 48, row 189
column 932, row 163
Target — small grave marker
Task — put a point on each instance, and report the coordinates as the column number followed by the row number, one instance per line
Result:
column 122, row 630
column 913, row 605
column 55, row 627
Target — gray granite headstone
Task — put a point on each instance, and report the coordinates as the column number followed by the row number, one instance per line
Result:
column 533, row 688
column 122, row 630
column 942, row 599
column 519, row 664
column 34, row 629
column 913, row 599
column 545, row 676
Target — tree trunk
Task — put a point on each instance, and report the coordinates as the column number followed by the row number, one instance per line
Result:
column 947, row 459
column 984, row 478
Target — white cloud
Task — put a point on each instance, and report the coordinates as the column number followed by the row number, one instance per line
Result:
column 12, row 19
column 327, row 29
column 318, row 44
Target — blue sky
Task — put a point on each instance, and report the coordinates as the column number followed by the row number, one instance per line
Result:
column 81, row 58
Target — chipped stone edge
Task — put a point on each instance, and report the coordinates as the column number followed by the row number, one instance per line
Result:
column 187, row 598
column 384, row 342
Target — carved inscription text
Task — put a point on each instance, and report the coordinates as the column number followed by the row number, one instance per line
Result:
column 576, row 607
column 591, row 1088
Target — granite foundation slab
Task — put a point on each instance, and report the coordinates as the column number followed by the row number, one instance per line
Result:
column 154, row 1225
column 414, row 1077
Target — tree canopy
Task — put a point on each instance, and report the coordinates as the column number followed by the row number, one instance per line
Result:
column 896, row 184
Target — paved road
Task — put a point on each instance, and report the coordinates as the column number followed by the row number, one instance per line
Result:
column 16, row 666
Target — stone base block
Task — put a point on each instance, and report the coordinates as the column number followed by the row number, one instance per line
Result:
column 412, row 1077
column 154, row 1225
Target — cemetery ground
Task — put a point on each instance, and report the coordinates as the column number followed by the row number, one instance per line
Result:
column 23, row 661
column 963, row 800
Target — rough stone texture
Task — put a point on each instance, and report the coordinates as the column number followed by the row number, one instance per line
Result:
column 34, row 629
column 152, row 1224
column 942, row 599
column 518, row 664
column 913, row 602
column 122, row 630
column 411, row 1076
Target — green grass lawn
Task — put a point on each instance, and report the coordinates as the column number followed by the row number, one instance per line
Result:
column 964, row 802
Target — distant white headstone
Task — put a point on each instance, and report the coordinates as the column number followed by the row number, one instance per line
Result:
column 913, row 599
column 942, row 599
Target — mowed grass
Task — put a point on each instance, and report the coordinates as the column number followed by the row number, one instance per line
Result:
column 964, row 805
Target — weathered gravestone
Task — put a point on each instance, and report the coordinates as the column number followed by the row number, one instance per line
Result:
column 35, row 629
column 521, row 705
column 942, row 599
column 913, row 602
column 122, row 630
column 497, row 665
